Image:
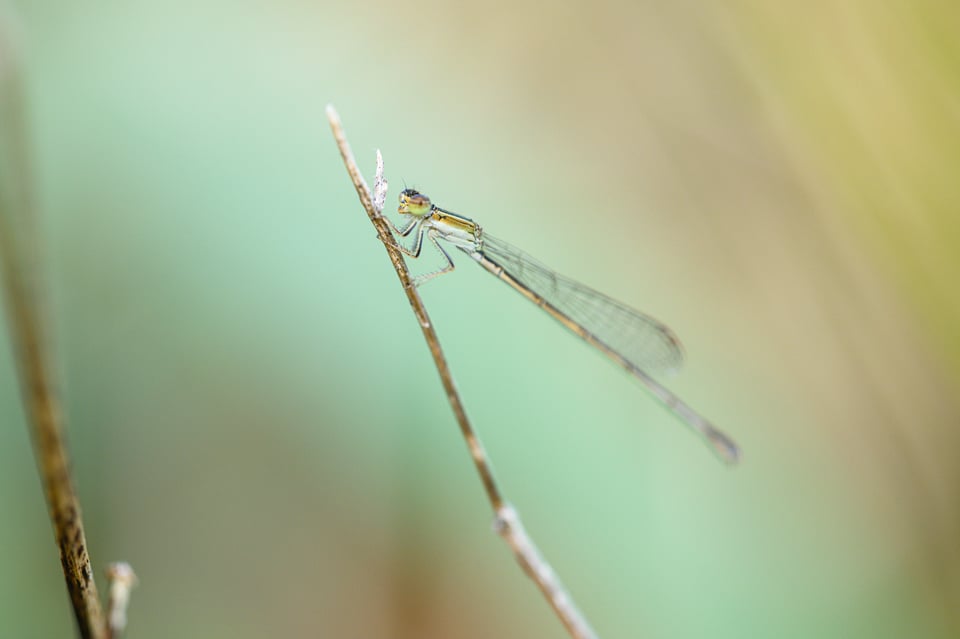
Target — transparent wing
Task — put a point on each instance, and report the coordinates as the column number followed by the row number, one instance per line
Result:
column 638, row 338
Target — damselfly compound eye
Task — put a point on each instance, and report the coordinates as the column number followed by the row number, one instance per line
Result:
column 413, row 203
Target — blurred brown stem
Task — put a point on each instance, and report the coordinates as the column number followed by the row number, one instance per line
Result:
column 506, row 520
column 18, row 252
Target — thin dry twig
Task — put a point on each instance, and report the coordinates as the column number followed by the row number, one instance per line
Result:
column 19, row 255
column 506, row 520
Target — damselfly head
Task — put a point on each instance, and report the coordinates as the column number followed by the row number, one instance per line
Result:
column 413, row 203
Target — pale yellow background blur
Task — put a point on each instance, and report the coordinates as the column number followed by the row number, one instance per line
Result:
column 255, row 422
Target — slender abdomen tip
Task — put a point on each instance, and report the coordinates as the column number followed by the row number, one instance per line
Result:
column 726, row 448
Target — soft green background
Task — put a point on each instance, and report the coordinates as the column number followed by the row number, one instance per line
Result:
column 256, row 424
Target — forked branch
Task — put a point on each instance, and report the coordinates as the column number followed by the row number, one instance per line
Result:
column 506, row 520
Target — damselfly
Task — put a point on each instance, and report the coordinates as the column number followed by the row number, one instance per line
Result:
column 635, row 341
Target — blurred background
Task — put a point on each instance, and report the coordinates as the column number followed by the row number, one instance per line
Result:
column 256, row 424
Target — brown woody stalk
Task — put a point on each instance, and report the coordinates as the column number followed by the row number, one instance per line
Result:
column 506, row 520
column 19, row 256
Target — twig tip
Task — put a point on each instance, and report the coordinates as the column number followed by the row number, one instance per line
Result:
column 122, row 580
column 121, row 572
column 379, row 185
